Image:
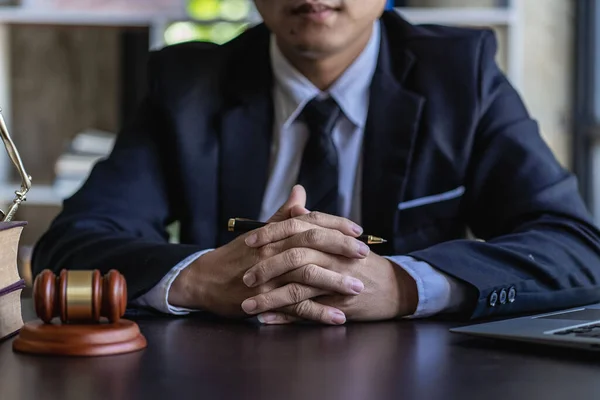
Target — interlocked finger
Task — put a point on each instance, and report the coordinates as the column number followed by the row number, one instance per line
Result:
column 277, row 318
column 313, row 311
column 283, row 263
column 326, row 240
column 330, row 281
column 284, row 296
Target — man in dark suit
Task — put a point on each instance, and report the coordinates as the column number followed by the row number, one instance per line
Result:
column 405, row 132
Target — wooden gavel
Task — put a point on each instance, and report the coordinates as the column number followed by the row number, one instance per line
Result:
column 80, row 296
column 80, row 299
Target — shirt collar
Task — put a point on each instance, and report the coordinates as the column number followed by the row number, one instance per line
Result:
column 350, row 91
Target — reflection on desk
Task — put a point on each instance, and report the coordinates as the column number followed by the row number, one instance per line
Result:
column 206, row 358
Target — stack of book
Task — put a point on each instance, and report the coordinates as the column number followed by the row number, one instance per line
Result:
column 11, row 283
column 73, row 167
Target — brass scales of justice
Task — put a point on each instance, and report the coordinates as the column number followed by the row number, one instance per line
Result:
column 79, row 311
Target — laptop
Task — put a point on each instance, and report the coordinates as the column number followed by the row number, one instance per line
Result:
column 577, row 327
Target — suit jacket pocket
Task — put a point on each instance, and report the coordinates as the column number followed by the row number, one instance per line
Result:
column 423, row 212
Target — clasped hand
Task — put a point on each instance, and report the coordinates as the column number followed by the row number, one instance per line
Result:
column 303, row 265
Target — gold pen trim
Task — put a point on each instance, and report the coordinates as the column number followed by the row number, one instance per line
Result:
column 375, row 240
column 231, row 225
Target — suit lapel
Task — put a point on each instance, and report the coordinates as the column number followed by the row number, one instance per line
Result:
column 390, row 133
column 246, row 132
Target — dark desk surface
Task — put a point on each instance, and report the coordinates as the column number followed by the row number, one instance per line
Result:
column 200, row 359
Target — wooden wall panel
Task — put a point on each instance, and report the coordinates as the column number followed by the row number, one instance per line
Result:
column 65, row 79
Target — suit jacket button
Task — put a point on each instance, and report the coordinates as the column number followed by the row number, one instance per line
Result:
column 493, row 299
column 512, row 294
column 503, row 296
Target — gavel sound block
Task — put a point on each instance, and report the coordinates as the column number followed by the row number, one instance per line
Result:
column 89, row 308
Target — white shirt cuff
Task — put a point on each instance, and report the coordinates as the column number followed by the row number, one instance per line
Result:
column 158, row 297
column 438, row 292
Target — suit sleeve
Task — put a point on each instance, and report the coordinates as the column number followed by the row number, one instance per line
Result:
column 538, row 247
column 118, row 219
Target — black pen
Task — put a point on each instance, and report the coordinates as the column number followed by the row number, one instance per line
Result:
column 247, row 225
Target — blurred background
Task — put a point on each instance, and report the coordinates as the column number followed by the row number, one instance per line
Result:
column 72, row 71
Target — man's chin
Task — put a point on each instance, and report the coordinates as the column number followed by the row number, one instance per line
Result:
column 314, row 47
column 314, row 52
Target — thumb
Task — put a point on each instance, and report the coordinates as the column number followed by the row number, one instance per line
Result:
column 297, row 199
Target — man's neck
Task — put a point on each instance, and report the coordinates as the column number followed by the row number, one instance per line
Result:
column 323, row 72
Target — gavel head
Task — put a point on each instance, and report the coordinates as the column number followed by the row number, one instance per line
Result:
column 80, row 296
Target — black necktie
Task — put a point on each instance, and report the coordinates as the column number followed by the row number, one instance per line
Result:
column 319, row 168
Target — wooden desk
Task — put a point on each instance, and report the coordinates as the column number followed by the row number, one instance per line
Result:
column 199, row 359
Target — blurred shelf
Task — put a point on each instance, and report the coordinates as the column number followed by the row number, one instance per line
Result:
column 19, row 15
column 39, row 195
column 212, row 21
column 459, row 16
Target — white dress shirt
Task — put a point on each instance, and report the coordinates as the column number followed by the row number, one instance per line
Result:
column 437, row 291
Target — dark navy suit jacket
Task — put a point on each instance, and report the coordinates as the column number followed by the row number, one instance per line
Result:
column 442, row 117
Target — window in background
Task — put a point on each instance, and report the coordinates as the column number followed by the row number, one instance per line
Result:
column 586, row 123
column 216, row 21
